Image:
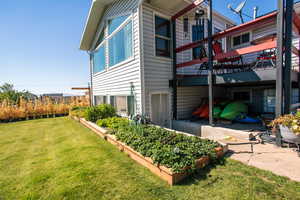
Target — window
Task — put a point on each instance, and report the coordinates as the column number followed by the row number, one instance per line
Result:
column 100, row 99
column 101, row 38
column 120, row 45
column 113, row 24
column 124, row 104
column 115, row 41
column 99, row 59
column 162, row 37
column 269, row 100
column 198, row 34
column 241, row 39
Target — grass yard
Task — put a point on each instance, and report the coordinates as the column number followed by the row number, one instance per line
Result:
column 60, row 159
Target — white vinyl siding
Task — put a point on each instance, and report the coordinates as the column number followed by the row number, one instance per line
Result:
column 123, row 80
column 157, row 70
column 190, row 98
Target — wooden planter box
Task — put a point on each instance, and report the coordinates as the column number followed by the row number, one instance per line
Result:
column 161, row 171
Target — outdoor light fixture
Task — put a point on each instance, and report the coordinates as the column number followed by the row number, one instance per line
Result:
column 199, row 14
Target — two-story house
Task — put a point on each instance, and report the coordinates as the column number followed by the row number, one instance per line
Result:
column 131, row 58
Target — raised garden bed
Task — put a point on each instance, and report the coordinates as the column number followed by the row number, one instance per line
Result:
column 163, row 172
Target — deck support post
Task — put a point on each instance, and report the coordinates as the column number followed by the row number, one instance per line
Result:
column 174, row 82
column 288, row 55
column 279, row 58
column 210, row 64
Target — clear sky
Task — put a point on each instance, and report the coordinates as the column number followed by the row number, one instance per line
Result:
column 40, row 41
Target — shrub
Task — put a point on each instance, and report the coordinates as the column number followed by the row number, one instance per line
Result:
column 78, row 111
column 101, row 111
column 114, row 123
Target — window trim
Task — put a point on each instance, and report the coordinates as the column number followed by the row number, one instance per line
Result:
column 162, row 37
column 126, row 22
column 108, row 36
column 242, row 44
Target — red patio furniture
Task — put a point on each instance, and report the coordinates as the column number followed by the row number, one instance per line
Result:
column 226, row 63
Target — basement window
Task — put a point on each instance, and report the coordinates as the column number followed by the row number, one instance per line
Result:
column 241, row 39
column 99, row 99
column 124, row 105
column 162, row 37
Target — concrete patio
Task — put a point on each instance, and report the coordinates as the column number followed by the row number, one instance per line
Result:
column 281, row 161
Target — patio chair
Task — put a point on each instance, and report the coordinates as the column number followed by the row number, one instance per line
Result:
column 230, row 62
column 267, row 56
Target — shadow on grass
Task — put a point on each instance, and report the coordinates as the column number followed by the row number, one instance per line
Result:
column 204, row 173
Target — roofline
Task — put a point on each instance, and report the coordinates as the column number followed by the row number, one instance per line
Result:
column 85, row 26
column 96, row 13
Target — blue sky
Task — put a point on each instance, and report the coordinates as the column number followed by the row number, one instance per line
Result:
column 40, row 42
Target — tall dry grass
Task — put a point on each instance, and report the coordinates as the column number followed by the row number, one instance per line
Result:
column 38, row 108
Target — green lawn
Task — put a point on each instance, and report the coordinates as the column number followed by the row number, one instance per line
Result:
column 60, row 159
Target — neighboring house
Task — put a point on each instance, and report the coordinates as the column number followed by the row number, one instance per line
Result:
column 130, row 48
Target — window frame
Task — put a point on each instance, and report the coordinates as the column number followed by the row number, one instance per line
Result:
column 241, row 44
column 126, row 22
column 114, row 104
column 108, row 36
column 156, row 14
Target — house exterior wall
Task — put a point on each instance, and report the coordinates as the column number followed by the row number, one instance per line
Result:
column 158, row 70
column 117, row 81
column 263, row 31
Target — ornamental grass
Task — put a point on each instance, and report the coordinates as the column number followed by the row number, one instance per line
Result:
column 39, row 108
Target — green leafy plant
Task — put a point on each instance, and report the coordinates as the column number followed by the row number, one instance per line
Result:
column 78, row 111
column 101, row 111
column 113, row 123
column 176, row 151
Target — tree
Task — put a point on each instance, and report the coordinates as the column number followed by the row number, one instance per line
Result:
column 7, row 92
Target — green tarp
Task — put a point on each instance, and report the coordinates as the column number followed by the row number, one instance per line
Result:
column 232, row 110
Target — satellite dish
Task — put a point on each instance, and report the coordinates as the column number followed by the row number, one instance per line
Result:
column 238, row 9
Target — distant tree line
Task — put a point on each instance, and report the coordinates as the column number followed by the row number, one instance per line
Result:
column 9, row 93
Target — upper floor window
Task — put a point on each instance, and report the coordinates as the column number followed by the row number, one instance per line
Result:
column 120, row 44
column 241, row 39
column 162, row 37
column 114, row 23
column 99, row 59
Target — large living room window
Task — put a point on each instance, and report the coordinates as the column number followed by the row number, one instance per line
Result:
column 115, row 43
column 162, row 37
column 120, row 39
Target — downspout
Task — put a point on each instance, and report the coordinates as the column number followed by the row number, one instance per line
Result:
column 142, row 63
